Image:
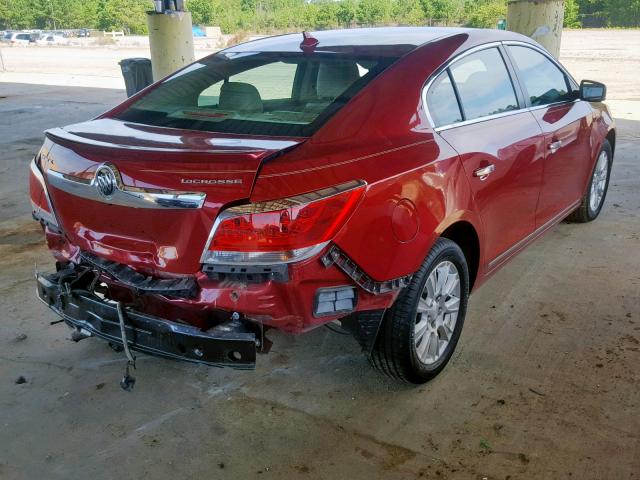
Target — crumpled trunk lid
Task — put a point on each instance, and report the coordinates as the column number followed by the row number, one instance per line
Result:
column 154, row 240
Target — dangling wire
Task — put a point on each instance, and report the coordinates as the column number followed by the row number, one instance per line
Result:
column 127, row 381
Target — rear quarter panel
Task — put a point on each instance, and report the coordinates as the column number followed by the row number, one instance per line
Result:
column 415, row 183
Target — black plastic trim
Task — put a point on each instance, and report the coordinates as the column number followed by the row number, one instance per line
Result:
column 182, row 287
column 230, row 344
column 336, row 256
column 247, row 273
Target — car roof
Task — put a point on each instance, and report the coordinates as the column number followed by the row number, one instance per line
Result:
column 408, row 38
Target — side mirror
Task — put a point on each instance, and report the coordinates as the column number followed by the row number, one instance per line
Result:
column 591, row 91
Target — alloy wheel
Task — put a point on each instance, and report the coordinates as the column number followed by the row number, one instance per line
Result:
column 599, row 182
column 437, row 312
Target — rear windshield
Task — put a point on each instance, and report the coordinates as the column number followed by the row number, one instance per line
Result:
column 257, row 93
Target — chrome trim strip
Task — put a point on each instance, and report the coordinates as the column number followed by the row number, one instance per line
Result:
column 125, row 195
column 496, row 262
column 480, row 119
column 44, row 217
column 221, row 216
column 276, row 205
column 546, row 54
column 441, row 69
column 478, row 48
column 36, row 210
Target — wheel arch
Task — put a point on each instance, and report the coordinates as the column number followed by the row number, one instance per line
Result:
column 611, row 137
column 464, row 234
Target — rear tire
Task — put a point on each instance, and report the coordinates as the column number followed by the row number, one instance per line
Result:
column 594, row 197
column 420, row 332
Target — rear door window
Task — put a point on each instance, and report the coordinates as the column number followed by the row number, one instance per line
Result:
column 484, row 84
column 442, row 101
column 544, row 81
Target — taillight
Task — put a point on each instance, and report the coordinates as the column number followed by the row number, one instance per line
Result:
column 281, row 231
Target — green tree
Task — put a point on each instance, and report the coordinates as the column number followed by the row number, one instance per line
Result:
column 327, row 16
column 589, row 7
column 408, row 12
column 248, row 5
column 624, row 13
column 447, row 11
column 428, row 10
column 203, row 12
column 18, row 14
column 372, row 12
column 346, row 13
column 485, row 13
column 274, row 16
column 571, row 16
column 127, row 15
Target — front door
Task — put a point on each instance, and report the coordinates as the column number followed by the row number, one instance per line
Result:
column 565, row 125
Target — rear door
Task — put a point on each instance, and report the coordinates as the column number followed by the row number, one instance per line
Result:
column 499, row 143
column 565, row 124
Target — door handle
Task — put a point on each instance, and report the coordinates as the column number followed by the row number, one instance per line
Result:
column 555, row 146
column 483, row 172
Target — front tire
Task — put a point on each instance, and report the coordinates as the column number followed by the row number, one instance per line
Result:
column 593, row 198
column 420, row 332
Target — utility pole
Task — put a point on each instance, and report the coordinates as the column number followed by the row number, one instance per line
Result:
column 539, row 19
column 170, row 37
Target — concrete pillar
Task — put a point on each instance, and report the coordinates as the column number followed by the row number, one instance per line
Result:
column 170, row 41
column 539, row 19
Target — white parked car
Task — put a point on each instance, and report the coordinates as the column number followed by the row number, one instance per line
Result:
column 51, row 40
column 17, row 38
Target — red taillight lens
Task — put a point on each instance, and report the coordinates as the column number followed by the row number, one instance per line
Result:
column 283, row 230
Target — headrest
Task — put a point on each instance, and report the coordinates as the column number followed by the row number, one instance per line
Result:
column 239, row 96
column 480, row 83
column 335, row 77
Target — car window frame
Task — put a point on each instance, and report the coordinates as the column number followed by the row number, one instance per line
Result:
column 510, row 75
column 456, row 95
column 571, row 83
column 524, row 104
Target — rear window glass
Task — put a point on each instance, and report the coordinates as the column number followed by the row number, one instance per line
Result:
column 257, row 93
column 442, row 101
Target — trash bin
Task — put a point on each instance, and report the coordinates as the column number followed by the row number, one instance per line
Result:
column 502, row 24
column 136, row 73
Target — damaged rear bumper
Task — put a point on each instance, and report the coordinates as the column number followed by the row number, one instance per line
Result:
column 230, row 344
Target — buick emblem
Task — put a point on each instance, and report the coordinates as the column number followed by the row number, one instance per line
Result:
column 106, row 181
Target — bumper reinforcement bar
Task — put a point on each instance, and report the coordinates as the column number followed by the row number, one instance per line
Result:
column 230, row 344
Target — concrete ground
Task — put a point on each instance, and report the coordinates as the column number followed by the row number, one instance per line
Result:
column 544, row 384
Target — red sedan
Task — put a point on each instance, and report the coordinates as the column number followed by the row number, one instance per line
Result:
column 373, row 177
